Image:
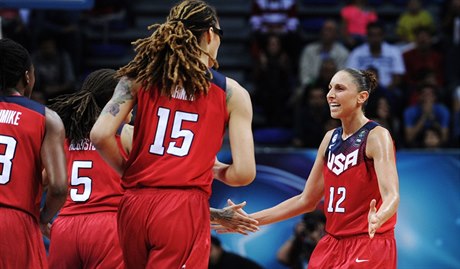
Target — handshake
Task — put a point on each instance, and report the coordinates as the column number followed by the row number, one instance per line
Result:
column 233, row 219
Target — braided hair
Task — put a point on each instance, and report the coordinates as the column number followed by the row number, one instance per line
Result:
column 80, row 110
column 14, row 62
column 170, row 57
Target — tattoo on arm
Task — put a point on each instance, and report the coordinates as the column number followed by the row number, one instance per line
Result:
column 121, row 94
column 229, row 93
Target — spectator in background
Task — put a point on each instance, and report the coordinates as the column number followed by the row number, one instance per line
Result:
column 274, row 83
column 222, row 259
column 382, row 113
column 386, row 58
column 277, row 17
column 53, row 66
column 422, row 58
column 395, row 99
column 451, row 42
column 274, row 16
column 427, row 113
column 296, row 251
column 65, row 26
column 327, row 69
column 12, row 26
column 327, row 47
column 432, row 138
column 415, row 16
column 311, row 115
column 356, row 15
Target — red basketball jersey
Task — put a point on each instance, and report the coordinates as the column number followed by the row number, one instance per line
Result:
column 22, row 129
column 175, row 140
column 93, row 185
column 350, row 183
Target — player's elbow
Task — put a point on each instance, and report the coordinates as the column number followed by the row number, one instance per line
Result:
column 98, row 136
column 244, row 177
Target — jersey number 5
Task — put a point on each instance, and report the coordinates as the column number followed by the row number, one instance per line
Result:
column 76, row 180
column 8, row 144
column 177, row 132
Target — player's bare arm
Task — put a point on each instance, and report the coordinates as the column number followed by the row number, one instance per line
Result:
column 127, row 137
column 112, row 116
column 381, row 149
column 242, row 171
column 54, row 162
column 304, row 202
column 122, row 94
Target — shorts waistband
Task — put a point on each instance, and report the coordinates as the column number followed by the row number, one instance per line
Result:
column 153, row 190
column 387, row 234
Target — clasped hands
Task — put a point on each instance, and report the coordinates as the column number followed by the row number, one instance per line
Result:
column 233, row 219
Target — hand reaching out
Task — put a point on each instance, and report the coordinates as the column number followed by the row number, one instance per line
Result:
column 374, row 220
column 232, row 219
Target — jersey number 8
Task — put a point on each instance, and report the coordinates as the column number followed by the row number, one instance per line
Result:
column 8, row 144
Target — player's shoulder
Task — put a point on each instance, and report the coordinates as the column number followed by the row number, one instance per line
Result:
column 379, row 136
column 26, row 103
column 219, row 79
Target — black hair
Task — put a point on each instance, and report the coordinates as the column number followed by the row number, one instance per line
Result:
column 364, row 79
column 80, row 110
column 14, row 62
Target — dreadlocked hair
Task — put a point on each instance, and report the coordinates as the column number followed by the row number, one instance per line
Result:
column 80, row 110
column 14, row 62
column 170, row 57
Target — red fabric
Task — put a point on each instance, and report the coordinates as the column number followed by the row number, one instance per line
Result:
column 176, row 141
column 355, row 252
column 85, row 241
column 351, row 181
column 21, row 241
column 165, row 228
column 85, row 165
column 21, row 138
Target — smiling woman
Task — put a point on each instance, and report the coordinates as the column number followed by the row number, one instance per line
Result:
column 355, row 172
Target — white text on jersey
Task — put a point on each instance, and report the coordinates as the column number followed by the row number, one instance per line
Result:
column 84, row 144
column 338, row 164
column 10, row 116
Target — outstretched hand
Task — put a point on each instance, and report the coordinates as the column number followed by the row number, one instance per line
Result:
column 374, row 220
column 232, row 219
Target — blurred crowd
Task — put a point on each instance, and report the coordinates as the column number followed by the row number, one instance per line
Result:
column 416, row 59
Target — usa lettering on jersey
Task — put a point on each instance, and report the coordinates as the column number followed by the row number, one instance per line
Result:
column 340, row 163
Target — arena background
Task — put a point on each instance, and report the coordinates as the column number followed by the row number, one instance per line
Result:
column 428, row 227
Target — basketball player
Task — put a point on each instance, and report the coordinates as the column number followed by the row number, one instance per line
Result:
column 355, row 172
column 183, row 108
column 31, row 138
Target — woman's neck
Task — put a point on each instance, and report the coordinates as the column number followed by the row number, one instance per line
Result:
column 12, row 92
column 352, row 124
